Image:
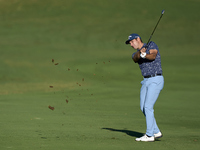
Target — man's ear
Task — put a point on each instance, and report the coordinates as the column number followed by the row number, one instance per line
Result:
column 138, row 39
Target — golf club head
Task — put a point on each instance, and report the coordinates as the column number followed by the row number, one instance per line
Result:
column 163, row 11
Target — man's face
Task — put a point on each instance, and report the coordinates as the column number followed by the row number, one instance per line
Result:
column 135, row 43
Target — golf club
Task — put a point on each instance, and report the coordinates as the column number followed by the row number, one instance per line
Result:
column 155, row 28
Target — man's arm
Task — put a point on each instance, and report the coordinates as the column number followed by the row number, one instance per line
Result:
column 152, row 54
column 136, row 57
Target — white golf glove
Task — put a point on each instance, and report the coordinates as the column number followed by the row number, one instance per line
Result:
column 143, row 55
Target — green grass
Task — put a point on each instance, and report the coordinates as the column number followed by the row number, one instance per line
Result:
column 95, row 74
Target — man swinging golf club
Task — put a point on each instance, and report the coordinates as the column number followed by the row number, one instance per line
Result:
column 148, row 58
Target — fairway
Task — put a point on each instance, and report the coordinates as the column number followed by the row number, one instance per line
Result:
column 68, row 81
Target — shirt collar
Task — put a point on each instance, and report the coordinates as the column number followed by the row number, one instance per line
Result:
column 142, row 47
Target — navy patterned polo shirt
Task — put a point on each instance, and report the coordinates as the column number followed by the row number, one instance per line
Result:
column 150, row 67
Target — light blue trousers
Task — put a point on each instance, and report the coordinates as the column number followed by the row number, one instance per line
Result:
column 149, row 93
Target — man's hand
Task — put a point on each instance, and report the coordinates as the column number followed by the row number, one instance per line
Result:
column 143, row 50
column 143, row 55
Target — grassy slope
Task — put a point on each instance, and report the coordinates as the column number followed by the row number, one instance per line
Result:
column 90, row 37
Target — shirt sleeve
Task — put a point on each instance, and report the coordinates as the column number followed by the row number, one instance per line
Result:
column 152, row 45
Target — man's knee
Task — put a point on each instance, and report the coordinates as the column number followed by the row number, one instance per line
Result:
column 148, row 109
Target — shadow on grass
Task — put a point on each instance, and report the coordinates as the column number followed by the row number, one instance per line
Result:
column 128, row 132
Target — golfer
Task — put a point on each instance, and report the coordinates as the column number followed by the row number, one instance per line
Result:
column 148, row 59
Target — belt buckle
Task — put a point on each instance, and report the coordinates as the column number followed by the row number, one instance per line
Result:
column 154, row 75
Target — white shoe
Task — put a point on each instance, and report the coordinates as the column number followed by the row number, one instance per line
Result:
column 158, row 135
column 145, row 138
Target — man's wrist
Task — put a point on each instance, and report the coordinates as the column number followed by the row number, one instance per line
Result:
column 143, row 55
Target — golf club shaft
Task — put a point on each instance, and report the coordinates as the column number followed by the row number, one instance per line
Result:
column 154, row 28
